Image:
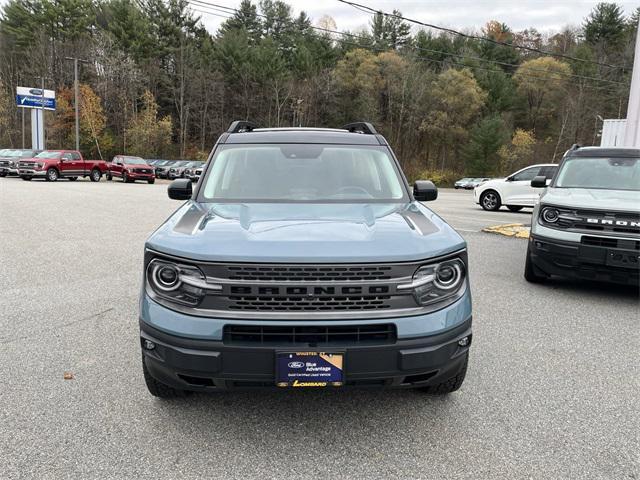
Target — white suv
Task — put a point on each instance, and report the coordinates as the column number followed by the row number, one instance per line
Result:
column 515, row 191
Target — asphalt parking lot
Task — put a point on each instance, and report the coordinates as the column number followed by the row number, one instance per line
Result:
column 552, row 389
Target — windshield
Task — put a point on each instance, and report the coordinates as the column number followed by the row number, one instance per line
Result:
column 134, row 161
column 303, row 173
column 600, row 173
column 49, row 155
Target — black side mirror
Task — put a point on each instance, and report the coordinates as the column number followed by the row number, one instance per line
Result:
column 180, row 189
column 424, row 191
column 539, row 182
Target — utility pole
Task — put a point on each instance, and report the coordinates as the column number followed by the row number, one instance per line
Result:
column 76, row 101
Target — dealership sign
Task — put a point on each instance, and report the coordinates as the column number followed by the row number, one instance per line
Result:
column 35, row 98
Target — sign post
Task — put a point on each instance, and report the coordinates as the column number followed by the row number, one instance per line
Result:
column 38, row 100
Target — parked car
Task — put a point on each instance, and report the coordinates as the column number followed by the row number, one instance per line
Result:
column 474, row 182
column 10, row 157
column 515, row 191
column 462, row 183
column 162, row 168
column 197, row 172
column 190, row 172
column 303, row 259
column 587, row 223
column 177, row 169
column 130, row 169
column 54, row 164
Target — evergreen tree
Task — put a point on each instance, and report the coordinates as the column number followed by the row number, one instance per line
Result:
column 481, row 153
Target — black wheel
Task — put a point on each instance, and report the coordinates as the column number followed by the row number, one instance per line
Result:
column 95, row 175
column 125, row 177
column 451, row 384
column 52, row 175
column 514, row 208
column 73, row 179
column 108, row 176
column 159, row 389
column 490, row 200
column 532, row 274
column 25, row 178
column 151, row 181
column 2, row 174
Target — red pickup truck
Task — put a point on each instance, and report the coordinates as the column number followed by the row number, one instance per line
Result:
column 54, row 164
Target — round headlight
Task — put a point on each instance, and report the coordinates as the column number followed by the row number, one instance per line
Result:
column 166, row 277
column 550, row 215
column 448, row 276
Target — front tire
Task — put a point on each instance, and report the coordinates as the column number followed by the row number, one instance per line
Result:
column 95, row 175
column 159, row 389
column 514, row 208
column 451, row 384
column 532, row 274
column 151, row 181
column 3, row 174
column 108, row 176
column 52, row 175
column 125, row 177
column 490, row 200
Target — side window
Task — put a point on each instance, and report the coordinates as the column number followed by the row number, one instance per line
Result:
column 549, row 172
column 526, row 175
column 66, row 156
column 116, row 160
column 75, row 156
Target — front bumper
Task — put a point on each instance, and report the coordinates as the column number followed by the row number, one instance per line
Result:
column 23, row 172
column 587, row 262
column 141, row 176
column 9, row 171
column 210, row 365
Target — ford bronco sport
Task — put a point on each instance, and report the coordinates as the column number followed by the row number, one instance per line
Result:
column 587, row 222
column 303, row 259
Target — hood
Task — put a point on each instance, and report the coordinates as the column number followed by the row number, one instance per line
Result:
column 593, row 199
column 305, row 233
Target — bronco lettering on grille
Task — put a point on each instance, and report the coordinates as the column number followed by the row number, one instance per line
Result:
column 309, row 291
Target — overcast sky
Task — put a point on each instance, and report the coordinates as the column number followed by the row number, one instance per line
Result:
column 545, row 15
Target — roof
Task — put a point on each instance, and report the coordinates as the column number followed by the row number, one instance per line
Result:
column 303, row 135
column 604, row 152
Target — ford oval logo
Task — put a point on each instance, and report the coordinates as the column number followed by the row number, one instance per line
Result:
column 35, row 91
column 296, row 364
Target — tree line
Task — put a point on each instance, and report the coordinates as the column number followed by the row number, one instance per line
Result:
column 159, row 85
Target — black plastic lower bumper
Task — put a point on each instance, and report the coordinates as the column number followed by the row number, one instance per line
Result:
column 190, row 364
column 588, row 262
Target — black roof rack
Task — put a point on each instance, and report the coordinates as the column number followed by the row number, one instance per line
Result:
column 241, row 126
column 360, row 127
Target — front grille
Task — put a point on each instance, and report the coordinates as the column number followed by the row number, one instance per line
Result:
column 27, row 164
column 610, row 243
column 307, row 304
column 309, row 274
column 596, row 221
column 5, row 163
column 141, row 170
column 317, row 336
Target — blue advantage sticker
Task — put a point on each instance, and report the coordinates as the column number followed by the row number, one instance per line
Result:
column 309, row 369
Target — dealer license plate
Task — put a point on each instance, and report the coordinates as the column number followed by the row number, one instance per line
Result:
column 309, row 369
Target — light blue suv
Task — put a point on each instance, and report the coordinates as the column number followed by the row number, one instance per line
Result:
column 303, row 258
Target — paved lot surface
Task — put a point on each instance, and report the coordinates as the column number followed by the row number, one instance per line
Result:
column 552, row 390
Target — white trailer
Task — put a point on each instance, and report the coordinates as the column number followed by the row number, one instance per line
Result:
column 613, row 133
